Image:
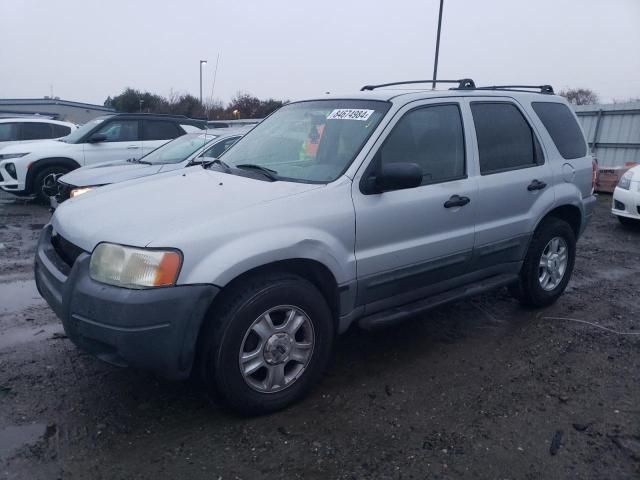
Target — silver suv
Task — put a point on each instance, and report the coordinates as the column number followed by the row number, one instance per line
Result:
column 364, row 208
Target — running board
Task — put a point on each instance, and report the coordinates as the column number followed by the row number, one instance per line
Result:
column 398, row 314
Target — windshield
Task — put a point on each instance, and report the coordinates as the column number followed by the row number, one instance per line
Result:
column 77, row 134
column 309, row 141
column 179, row 149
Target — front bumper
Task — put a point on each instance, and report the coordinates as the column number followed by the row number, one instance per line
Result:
column 152, row 329
column 7, row 182
column 626, row 203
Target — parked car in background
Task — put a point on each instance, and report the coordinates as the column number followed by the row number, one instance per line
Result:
column 233, row 123
column 364, row 208
column 626, row 198
column 27, row 168
column 28, row 129
column 183, row 151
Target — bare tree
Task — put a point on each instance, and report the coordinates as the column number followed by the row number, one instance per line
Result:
column 580, row 96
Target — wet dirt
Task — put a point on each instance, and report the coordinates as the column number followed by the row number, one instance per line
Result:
column 478, row 389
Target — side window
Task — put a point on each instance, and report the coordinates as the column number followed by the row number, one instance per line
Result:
column 60, row 130
column 120, row 131
column 431, row 137
column 562, row 127
column 35, row 131
column 505, row 139
column 220, row 147
column 160, row 130
column 8, row 132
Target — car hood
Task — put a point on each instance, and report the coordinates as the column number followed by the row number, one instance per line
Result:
column 36, row 146
column 141, row 211
column 106, row 173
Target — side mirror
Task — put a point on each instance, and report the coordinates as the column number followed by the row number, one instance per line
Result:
column 394, row 176
column 97, row 138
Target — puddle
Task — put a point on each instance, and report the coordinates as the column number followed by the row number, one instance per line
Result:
column 18, row 336
column 17, row 296
column 14, row 437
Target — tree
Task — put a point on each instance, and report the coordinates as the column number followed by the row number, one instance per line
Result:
column 248, row 106
column 580, row 96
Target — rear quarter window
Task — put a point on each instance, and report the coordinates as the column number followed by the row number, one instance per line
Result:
column 562, row 127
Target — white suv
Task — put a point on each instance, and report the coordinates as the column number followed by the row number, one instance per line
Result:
column 28, row 129
column 27, row 168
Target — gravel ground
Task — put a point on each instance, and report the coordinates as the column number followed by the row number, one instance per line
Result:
column 478, row 389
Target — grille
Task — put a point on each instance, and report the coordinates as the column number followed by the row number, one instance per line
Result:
column 66, row 250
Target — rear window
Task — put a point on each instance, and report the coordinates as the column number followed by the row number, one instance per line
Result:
column 35, row 131
column 562, row 127
column 160, row 130
column 505, row 139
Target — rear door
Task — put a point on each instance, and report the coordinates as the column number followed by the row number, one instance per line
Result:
column 409, row 242
column 514, row 185
column 156, row 133
column 122, row 142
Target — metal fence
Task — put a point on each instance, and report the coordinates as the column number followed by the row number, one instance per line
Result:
column 613, row 132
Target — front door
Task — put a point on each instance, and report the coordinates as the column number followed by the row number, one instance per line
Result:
column 409, row 241
column 122, row 142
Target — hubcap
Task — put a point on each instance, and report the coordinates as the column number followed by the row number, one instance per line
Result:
column 553, row 263
column 276, row 349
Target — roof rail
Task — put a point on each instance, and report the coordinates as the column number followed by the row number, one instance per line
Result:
column 548, row 89
column 463, row 83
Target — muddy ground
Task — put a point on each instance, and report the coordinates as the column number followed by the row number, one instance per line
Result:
column 479, row 389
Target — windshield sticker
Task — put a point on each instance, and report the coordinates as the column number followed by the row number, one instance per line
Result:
column 350, row 114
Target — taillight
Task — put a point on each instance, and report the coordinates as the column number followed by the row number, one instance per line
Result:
column 594, row 175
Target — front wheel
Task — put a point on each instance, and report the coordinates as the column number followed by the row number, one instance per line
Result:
column 628, row 222
column 45, row 183
column 267, row 343
column 548, row 264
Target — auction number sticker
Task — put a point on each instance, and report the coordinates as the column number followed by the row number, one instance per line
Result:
column 350, row 114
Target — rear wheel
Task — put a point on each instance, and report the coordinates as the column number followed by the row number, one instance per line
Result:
column 548, row 265
column 267, row 343
column 45, row 182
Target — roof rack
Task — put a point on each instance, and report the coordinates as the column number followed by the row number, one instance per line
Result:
column 548, row 89
column 463, row 84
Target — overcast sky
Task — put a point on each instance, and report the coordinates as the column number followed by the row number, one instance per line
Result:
column 89, row 49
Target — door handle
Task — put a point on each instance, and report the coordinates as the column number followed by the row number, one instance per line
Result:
column 456, row 201
column 133, row 147
column 536, row 185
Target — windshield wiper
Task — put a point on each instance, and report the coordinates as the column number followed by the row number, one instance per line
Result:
column 137, row 160
column 267, row 172
column 216, row 161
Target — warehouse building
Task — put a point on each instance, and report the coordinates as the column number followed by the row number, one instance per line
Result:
column 613, row 132
column 55, row 108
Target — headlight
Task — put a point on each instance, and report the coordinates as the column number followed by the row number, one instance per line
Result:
column 7, row 156
column 79, row 191
column 11, row 170
column 134, row 267
column 625, row 181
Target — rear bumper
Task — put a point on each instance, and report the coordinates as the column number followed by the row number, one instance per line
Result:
column 588, row 207
column 152, row 329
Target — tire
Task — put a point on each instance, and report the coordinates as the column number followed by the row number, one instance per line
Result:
column 231, row 333
column 533, row 288
column 46, row 177
column 628, row 222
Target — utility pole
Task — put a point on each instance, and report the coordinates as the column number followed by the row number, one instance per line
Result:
column 202, row 62
column 435, row 63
